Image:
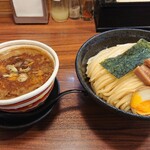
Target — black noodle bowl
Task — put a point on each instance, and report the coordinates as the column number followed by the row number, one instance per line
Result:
column 99, row 42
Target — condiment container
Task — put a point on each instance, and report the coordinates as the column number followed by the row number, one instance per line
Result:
column 74, row 9
column 87, row 10
column 59, row 10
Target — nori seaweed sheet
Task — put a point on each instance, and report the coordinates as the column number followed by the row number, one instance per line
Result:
column 124, row 63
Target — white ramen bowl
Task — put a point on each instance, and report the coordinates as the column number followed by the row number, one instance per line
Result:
column 34, row 98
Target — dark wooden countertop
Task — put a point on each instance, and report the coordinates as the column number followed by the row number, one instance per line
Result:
column 76, row 122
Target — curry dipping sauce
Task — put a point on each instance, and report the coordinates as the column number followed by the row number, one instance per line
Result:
column 23, row 69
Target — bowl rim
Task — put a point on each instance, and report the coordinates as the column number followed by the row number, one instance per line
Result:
column 84, row 84
column 46, row 84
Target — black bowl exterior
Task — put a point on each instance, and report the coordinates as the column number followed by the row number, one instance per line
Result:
column 99, row 42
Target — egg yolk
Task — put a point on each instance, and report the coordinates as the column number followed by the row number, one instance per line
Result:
column 140, row 105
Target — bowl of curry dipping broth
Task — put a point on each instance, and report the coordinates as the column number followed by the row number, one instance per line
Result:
column 27, row 72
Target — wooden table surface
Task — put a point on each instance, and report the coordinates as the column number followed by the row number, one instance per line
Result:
column 76, row 122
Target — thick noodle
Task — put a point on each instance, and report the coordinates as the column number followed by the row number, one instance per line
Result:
column 114, row 91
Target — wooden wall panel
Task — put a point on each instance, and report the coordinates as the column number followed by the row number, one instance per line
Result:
column 5, row 7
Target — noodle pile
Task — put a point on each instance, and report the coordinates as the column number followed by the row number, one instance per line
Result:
column 116, row 92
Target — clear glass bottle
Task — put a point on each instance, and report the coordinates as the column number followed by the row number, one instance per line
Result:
column 87, row 10
column 59, row 10
column 74, row 9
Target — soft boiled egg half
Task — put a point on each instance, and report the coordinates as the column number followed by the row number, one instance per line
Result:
column 140, row 102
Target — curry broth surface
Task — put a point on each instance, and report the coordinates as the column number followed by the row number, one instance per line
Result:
column 22, row 70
